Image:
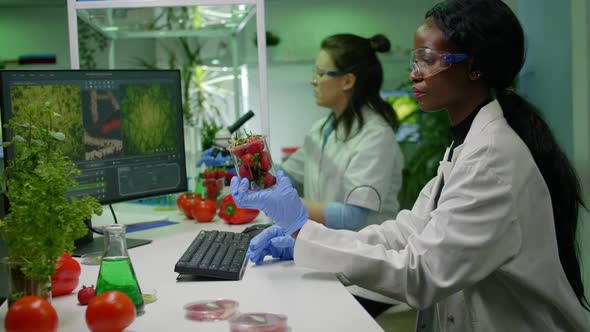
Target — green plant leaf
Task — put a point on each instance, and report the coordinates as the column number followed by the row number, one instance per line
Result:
column 57, row 135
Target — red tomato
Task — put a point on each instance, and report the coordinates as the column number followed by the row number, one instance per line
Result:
column 180, row 200
column 188, row 202
column 204, row 211
column 66, row 276
column 110, row 311
column 31, row 313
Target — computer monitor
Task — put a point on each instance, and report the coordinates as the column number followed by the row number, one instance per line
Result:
column 125, row 128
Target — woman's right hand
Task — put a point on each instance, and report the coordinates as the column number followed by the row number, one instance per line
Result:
column 271, row 241
column 281, row 203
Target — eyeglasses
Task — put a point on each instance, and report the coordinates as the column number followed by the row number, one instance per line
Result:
column 318, row 74
column 426, row 62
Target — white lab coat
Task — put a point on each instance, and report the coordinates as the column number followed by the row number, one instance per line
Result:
column 364, row 170
column 486, row 257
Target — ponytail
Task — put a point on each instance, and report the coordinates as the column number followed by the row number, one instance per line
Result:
column 560, row 177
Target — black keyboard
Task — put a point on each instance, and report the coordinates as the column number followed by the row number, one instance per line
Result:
column 215, row 254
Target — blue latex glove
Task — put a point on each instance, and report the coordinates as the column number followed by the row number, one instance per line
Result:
column 208, row 159
column 281, row 203
column 271, row 241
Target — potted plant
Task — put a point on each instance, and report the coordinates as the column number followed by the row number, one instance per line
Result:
column 41, row 223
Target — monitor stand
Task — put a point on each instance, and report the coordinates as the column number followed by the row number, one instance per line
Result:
column 90, row 244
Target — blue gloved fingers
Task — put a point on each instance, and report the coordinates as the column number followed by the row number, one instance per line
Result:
column 233, row 185
column 264, row 238
column 239, row 190
column 257, row 257
column 285, row 241
column 282, row 247
column 283, row 180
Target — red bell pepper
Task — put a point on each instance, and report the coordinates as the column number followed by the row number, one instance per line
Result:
column 66, row 277
column 231, row 214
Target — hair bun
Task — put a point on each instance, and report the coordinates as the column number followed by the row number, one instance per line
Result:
column 380, row 43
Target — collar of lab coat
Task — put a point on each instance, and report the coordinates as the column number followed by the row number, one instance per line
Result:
column 490, row 112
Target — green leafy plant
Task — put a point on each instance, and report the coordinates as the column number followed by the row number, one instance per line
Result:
column 42, row 223
column 208, row 132
column 423, row 149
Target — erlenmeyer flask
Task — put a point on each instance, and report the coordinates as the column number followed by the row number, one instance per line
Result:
column 116, row 271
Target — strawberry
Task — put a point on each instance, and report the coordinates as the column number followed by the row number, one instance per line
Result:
column 249, row 160
column 209, row 174
column 219, row 173
column 268, row 180
column 264, row 161
column 255, row 144
column 85, row 294
column 245, row 172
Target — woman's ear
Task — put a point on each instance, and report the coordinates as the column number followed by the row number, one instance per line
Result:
column 348, row 81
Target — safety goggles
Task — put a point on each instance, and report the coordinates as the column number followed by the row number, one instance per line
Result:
column 317, row 74
column 426, row 62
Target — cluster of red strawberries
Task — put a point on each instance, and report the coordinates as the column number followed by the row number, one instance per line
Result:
column 253, row 161
column 213, row 180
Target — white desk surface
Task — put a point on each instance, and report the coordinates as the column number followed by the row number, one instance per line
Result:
column 312, row 301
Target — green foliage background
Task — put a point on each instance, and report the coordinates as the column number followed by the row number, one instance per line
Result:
column 421, row 155
column 147, row 118
column 65, row 100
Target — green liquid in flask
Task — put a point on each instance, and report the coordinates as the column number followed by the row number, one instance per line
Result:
column 116, row 273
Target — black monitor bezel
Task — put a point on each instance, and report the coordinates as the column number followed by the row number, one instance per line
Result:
column 177, row 79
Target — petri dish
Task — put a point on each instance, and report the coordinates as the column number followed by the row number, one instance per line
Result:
column 210, row 310
column 93, row 258
column 259, row 322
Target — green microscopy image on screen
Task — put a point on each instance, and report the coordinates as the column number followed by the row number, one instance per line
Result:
column 61, row 99
column 147, row 119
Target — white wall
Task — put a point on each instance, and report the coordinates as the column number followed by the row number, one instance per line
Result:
column 301, row 26
column 34, row 31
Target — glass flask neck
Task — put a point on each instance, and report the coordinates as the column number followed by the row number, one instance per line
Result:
column 115, row 244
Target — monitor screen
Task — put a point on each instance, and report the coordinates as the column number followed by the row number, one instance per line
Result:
column 124, row 128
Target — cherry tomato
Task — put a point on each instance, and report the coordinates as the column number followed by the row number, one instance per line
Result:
column 110, row 311
column 66, row 276
column 204, row 211
column 31, row 313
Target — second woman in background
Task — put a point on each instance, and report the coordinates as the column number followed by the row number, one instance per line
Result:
column 350, row 163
